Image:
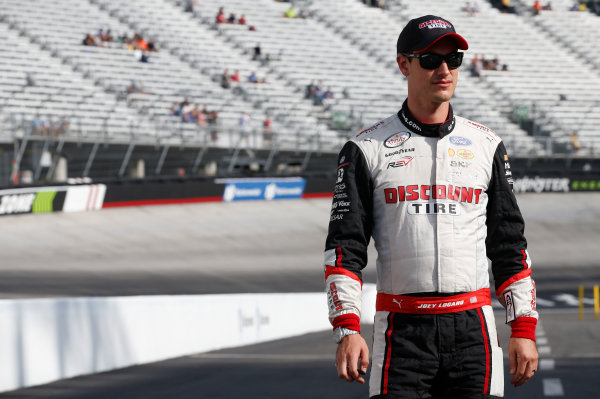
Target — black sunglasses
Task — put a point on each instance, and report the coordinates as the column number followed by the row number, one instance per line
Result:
column 433, row 60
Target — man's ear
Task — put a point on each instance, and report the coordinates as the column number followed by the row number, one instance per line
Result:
column 403, row 64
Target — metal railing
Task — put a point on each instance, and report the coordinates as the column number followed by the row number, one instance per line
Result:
column 22, row 135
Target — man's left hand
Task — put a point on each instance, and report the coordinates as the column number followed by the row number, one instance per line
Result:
column 523, row 356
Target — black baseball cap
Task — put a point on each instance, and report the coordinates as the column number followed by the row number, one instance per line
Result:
column 421, row 33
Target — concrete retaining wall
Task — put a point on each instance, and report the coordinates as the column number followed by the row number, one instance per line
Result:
column 43, row 340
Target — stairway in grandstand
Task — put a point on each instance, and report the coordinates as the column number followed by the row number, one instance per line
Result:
column 552, row 72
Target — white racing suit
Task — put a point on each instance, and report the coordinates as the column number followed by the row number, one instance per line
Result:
column 438, row 202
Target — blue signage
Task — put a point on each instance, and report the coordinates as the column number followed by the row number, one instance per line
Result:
column 262, row 189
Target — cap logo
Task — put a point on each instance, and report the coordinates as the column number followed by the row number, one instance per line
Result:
column 435, row 23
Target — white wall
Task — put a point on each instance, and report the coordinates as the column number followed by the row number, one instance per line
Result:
column 43, row 340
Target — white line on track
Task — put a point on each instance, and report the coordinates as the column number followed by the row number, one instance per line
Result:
column 546, row 364
column 553, row 387
column 544, row 302
column 544, row 350
column 550, row 386
column 540, row 332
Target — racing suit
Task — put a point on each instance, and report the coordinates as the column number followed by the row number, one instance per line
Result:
column 438, row 201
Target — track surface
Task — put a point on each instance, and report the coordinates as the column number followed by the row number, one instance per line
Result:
column 275, row 247
column 241, row 247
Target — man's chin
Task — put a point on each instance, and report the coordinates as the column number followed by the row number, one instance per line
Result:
column 443, row 96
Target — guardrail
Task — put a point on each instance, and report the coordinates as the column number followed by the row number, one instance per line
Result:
column 208, row 139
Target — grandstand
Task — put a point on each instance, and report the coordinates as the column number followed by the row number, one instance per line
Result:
column 550, row 90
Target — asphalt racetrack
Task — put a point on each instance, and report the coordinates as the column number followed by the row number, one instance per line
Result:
column 277, row 247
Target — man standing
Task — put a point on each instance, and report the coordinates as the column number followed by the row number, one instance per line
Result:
column 245, row 127
column 434, row 190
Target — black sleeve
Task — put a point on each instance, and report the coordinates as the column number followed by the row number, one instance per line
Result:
column 505, row 242
column 351, row 219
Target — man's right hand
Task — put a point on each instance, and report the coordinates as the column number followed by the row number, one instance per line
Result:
column 350, row 349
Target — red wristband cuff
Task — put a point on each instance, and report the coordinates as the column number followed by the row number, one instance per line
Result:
column 348, row 320
column 523, row 327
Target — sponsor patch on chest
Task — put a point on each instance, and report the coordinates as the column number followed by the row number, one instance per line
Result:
column 434, row 208
column 396, row 140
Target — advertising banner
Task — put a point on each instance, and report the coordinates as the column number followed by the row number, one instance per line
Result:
column 263, row 189
column 52, row 199
column 556, row 184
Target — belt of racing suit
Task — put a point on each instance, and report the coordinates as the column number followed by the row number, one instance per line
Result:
column 433, row 305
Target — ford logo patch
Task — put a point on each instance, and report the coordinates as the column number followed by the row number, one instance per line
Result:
column 457, row 140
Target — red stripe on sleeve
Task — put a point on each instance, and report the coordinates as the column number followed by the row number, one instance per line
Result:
column 524, row 260
column 329, row 270
column 338, row 257
column 519, row 276
column 349, row 320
